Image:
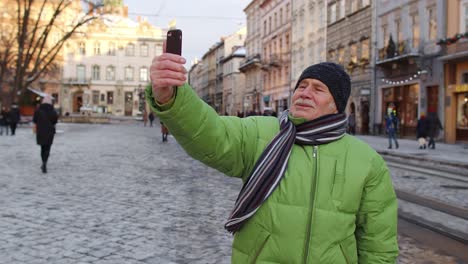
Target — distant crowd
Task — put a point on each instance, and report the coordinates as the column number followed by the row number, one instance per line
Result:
column 9, row 119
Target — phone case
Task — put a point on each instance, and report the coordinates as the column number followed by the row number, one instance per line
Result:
column 174, row 41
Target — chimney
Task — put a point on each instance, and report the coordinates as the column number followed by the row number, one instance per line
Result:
column 125, row 11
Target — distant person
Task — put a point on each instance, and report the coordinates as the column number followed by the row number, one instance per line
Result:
column 421, row 131
column 164, row 132
column 14, row 118
column 45, row 119
column 434, row 128
column 391, row 125
column 151, row 118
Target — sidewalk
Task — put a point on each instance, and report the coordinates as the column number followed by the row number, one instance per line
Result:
column 450, row 154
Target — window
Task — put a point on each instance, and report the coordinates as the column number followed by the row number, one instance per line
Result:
column 464, row 16
column 95, row 97
column 110, row 73
column 281, row 16
column 55, row 96
column 415, row 30
column 269, row 25
column 287, row 42
column 111, row 50
column 264, row 27
column 354, row 6
column 365, row 49
column 158, row 50
column 288, row 7
column 129, row 73
column 399, row 33
column 341, row 54
column 130, row 50
column 353, row 52
column 431, row 12
column 143, row 74
column 81, row 73
column 96, row 72
column 342, row 9
column 103, row 97
column 332, row 13
column 97, row 48
column 465, row 78
column 276, row 20
column 144, row 50
column 110, row 97
column 385, row 37
column 82, row 48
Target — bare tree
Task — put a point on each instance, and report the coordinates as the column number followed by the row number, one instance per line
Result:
column 42, row 28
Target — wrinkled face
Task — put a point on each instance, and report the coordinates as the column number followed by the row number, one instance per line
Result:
column 311, row 100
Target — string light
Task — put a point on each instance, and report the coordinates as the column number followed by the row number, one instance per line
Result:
column 415, row 76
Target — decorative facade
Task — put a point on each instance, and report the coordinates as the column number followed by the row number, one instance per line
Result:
column 107, row 68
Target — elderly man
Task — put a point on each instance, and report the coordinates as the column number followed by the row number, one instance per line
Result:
column 311, row 193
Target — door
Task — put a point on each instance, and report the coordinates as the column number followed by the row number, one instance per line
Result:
column 77, row 101
column 432, row 99
column 128, row 103
column 364, row 117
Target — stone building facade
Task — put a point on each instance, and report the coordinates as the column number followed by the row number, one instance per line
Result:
column 408, row 74
column 349, row 38
column 107, row 68
column 276, row 54
column 309, row 33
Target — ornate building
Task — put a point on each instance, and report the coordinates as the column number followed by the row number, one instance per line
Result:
column 107, row 67
column 309, row 33
column 348, row 43
column 407, row 79
column 276, row 54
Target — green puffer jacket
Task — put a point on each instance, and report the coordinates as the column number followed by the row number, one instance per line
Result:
column 336, row 203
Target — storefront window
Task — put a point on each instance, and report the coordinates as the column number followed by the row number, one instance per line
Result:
column 462, row 111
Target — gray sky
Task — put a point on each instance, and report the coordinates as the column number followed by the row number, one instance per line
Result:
column 202, row 22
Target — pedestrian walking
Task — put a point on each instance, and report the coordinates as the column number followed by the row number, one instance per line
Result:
column 422, row 128
column 164, row 132
column 45, row 119
column 312, row 193
column 391, row 126
column 151, row 118
column 434, row 128
column 4, row 121
column 14, row 118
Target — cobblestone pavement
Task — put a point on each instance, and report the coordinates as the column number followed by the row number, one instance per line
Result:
column 117, row 194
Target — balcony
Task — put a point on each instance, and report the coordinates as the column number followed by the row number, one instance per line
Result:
column 455, row 51
column 251, row 62
column 401, row 54
column 76, row 81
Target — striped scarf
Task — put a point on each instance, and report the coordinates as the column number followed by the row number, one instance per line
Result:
column 270, row 167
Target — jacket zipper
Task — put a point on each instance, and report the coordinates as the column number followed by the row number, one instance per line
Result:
column 312, row 197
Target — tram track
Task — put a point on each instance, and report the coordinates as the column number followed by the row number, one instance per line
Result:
column 428, row 218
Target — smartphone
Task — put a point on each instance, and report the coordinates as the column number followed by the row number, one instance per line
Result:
column 174, row 41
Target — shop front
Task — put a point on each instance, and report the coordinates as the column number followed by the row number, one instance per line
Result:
column 461, row 127
column 403, row 100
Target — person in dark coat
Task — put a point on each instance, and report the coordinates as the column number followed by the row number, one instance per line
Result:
column 434, row 128
column 151, row 118
column 45, row 119
column 421, row 131
column 14, row 118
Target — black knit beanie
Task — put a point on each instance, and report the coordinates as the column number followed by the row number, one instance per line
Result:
column 334, row 77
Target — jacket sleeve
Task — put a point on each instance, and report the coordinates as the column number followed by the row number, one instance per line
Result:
column 376, row 223
column 222, row 142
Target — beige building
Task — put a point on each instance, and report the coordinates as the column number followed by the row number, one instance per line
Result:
column 251, row 66
column 309, row 34
column 107, row 68
column 276, row 54
column 455, row 61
